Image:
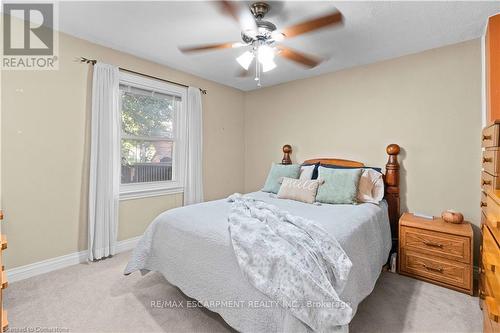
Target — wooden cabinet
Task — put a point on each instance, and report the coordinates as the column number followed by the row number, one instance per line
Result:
column 489, row 270
column 436, row 251
column 3, row 280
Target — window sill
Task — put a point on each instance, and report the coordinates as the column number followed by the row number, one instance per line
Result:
column 131, row 194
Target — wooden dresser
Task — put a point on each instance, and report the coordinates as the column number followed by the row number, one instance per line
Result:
column 436, row 251
column 3, row 279
column 489, row 270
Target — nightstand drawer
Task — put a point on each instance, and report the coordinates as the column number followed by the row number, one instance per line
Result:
column 490, row 137
column 436, row 244
column 436, row 251
column 490, row 161
column 443, row 271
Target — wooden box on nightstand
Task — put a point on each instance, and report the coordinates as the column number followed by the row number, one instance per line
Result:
column 436, row 251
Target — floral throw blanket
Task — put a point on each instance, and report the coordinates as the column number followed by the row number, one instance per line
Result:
column 292, row 260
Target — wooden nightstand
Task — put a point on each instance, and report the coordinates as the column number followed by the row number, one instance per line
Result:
column 436, row 251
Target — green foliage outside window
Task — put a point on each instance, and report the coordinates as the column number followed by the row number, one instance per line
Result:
column 144, row 116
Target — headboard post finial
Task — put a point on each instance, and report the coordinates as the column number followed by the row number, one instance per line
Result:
column 287, row 150
column 392, row 166
column 392, row 190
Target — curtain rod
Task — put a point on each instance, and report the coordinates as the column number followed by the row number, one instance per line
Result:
column 93, row 62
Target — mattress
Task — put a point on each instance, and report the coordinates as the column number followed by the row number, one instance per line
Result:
column 191, row 247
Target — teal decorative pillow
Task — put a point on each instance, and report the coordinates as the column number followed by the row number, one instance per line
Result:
column 277, row 172
column 340, row 185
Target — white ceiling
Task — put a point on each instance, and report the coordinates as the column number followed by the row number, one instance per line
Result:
column 372, row 31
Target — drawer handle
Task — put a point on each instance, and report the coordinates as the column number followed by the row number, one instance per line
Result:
column 483, row 204
column 486, row 182
column 486, row 137
column 490, row 267
column 433, row 244
column 487, row 159
column 434, row 269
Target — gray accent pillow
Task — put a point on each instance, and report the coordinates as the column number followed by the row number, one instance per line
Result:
column 277, row 172
column 340, row 185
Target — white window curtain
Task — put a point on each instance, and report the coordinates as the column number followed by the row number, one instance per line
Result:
column 104, row 182
column 193, row 145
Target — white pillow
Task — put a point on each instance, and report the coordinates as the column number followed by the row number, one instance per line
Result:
column 299, row 189
column 371, row 186
column 306, row 171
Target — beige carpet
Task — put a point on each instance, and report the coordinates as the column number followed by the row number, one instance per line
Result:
column 98, row 298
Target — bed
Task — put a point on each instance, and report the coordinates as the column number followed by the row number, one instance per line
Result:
column 191, row 247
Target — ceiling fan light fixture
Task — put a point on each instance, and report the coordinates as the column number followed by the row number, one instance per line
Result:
column 265, row 54
column 262, row 38
column 245, row 59
column 268, row 66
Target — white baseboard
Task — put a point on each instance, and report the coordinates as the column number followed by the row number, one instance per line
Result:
column 49, row 265
column 126, row 244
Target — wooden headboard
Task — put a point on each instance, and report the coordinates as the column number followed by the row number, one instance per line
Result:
column 391, row 181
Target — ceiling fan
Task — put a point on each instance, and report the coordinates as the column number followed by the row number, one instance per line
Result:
column 262, row 37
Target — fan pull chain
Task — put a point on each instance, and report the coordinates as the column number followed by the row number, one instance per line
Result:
column 257, row 73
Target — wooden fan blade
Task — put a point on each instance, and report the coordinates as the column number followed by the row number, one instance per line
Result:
column 229, row 8
column 311, row 25
column 298, row 57
column 240, row 14
column 209, row 47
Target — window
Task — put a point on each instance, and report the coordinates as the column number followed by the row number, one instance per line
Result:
column 150, row 141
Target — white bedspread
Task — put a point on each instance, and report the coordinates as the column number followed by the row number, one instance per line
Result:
column 191, row 247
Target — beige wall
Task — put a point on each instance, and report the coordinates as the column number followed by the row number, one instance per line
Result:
column 136, row 215
column 45, row 152
column 429, row 103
